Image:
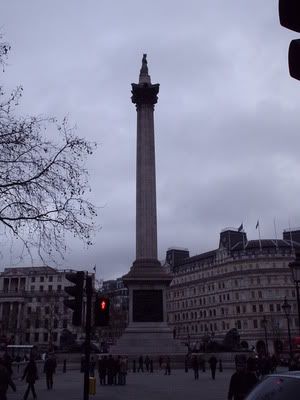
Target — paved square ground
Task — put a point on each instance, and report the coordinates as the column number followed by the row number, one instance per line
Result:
column 140, row 386
column 145, row 386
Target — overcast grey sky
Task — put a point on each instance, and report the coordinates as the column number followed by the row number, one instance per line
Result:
column 226, row 123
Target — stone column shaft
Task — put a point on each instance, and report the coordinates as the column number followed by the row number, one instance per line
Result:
column 146, row 222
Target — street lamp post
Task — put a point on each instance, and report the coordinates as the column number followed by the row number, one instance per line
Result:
column 264, row 323
column 287, row 310
column 295, row 267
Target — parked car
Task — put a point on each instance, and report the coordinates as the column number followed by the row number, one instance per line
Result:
column 285, row 386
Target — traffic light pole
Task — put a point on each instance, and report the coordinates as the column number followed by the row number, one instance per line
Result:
column 89, row 291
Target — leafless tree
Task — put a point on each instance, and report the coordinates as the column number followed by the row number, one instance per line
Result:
column 43, row 179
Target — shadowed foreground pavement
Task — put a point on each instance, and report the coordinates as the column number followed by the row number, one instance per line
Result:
column 146, row 386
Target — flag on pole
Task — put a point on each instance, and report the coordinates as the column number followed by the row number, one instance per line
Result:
column 94, row 269
column 240, row 228
column 257, row 224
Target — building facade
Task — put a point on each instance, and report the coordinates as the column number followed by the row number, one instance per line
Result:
column 239, row 285
column 119, row 300
column 32, row 309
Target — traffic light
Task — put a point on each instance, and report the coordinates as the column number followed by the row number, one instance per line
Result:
column 101, row 311
column 289, row 16
column 76, row 292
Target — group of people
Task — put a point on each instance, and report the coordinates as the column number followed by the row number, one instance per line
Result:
column 30, row 375
column 112, row 371
column 198, row 363
column 164, row 362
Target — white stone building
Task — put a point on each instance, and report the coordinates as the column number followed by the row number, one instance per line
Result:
column 32, row 310
column 235, row 286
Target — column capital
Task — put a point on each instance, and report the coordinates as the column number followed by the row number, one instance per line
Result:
column 144, row 93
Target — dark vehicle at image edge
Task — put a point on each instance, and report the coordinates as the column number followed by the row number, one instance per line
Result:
column 285, row 386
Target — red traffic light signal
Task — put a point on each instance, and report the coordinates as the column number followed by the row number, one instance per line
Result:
column 77, row 293
column 103, row 305
column 101, row 311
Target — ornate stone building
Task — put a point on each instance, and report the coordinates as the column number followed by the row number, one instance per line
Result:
column 31, row 306
column 234, row 286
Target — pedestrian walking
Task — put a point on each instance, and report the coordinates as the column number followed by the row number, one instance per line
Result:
column 202, row 364
column 49, row 370
column 134, row 366
column 92, row 367
column 123, row 370
column 186, row 363
column 110, row 370
column 141, row 364
column 147, row 363
column 102, row 370
column 160, row 361
column 168, row 366
column 31, row 375
column 213, row 365
column 195, row 366
column 5, row 380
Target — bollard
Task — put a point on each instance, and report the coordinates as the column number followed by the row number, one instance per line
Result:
column 92, row 385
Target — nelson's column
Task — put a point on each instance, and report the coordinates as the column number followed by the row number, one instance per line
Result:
column 147, row 331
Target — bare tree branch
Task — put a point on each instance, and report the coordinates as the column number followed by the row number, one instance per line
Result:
column 43, row 182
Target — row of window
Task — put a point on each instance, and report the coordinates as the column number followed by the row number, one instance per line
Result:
column 202, row 301
column 37, row 337
column 217, row 270
column 227, row 284
column 254, row 308
column 41, row 288
column 225, row 326
column 43, row 278
column 38, row 324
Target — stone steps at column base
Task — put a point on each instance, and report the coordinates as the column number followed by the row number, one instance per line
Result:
column 151, row 343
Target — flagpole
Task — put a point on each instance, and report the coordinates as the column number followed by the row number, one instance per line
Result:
column 275, row 233
column 291, row 239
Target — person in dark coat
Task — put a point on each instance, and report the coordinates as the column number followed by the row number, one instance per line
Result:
column 102, row 370
column 141, row 364
column 151, row 366
column 168, row 366
column 92, row 366
column 49, row 369
column 186, row 363
column 213, row 365
column 110, row 370
column 242, row 381
column 31, row 375
column 7, row 360
column 5, row 380
column 147, row 363
column 195, row 366
column 160, row 361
